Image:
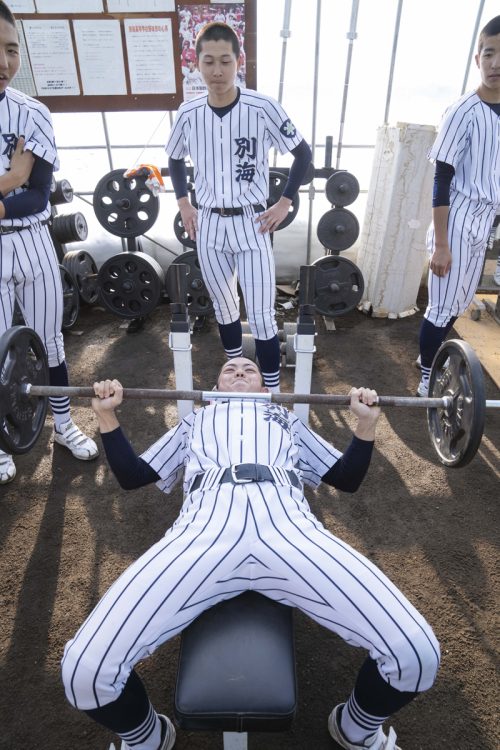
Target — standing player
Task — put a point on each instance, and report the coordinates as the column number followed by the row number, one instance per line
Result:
column 29, row 269
column 228, row 133
column 245, row 524
column 465, row 201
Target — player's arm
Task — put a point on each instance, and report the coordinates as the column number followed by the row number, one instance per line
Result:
column 271, row 219
column 21, row 165
column 440, row 262
column 349, row 471
column 130, row 470
column 189, row 214
column 34, row 199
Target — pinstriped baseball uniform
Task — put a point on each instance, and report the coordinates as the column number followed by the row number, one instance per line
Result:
column 229, row 538
column 469, row 140
column 230, row 157
column 29, row 269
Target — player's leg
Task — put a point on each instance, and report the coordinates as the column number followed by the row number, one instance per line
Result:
column 7, row 296
column 343, row 591
column 257, row 277
column 219, row 274
column 188, row 570
column 40, row 297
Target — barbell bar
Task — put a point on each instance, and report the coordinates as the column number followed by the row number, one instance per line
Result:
column 455, row 407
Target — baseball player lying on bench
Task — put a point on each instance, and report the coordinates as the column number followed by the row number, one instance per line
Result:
column 244, row 464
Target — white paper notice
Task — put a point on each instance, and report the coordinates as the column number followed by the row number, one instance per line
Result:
column 51, row 56
column 99, row 47
column 150, row 55
column 140, row 6
column 69, row 6
column 22, row 6
column 24, row 80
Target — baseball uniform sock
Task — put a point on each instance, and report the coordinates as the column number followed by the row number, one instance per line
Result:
column 231, row 337
column 59, row 405
column 268, row 356
column 371, row 702
column 431, row 338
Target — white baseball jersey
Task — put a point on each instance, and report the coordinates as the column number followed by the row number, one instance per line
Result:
column 229, row 538
column 29, row 269
column 231, row 169
column 469, row 140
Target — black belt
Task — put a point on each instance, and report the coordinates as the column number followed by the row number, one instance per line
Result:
column 243, row 473
column 236, row 210
column 11, row 230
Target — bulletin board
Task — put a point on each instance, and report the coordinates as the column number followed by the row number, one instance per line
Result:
column 120, row 55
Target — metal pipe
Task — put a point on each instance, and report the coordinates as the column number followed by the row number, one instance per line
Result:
column 351, row 35
column 472, row 45
column 285, row 33
column 313, row 127
column 393, row 61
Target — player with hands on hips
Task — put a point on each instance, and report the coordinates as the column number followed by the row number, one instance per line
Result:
column 228, row 132
column 465, row 201
column 245, row 524
column 29, row 268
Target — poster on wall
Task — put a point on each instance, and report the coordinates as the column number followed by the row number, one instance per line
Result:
column 51, row 57
column 98, row 43
column 69, row 6
column 150, row 55
column 141, row 6
column 191, row 19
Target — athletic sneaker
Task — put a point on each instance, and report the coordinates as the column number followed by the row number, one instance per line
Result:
column 496, row 277
column 379, row 742
column 80, row 445
column 423, row 389
column 7, row 468
column 417, row 362
column 168, row 734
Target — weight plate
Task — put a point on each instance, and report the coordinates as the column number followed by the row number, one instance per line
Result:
column 456, row 433
column 181, row 233
column 338, row 229
column 125, row 206
column 62, row 193
column 22, row 360
column 83, row 270
column 277, row 182
column 71, row 299
column 338, row 286
column 198, row 299
column 130, row 284
column 342, row 188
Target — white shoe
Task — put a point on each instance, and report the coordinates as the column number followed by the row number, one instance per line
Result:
column 423, row 389
column 379, row 742
column 80, row 445
column 168, row 740
column 7, row 468
column 496, row 278
column 417, row 362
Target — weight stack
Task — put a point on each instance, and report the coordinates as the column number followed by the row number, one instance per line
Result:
column 392, row 254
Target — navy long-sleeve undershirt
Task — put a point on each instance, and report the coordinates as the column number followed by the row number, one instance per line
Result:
column 133, row 472
column 35, row 198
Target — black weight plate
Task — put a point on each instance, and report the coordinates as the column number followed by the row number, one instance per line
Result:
column 71, row 299
column 83, row 269
column 198, row 299
column 342, row 188
column 62, row 193
column 277, row 182
column 456, row 433
column 338, row 286
column 125, row 206
column 130, row 284
column 22, row 360
column 77, row 227
column 338, row 229
column 181, row 233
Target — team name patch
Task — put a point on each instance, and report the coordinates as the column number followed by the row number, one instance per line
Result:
column 288, row 129
column 277, row 414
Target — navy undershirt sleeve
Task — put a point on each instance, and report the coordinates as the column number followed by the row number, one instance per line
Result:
column 303, row 156
column 443, row 176
column 130, row 470
column 35, row 198
column 178, row 175
column 350, row 470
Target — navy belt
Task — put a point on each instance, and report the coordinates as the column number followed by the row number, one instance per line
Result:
column 243, row 473
column 235, row 210
column 11, row 230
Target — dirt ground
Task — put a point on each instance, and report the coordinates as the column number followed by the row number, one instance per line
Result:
column 67, row 531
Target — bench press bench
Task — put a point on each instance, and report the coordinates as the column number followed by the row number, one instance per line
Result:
column 236, row 670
